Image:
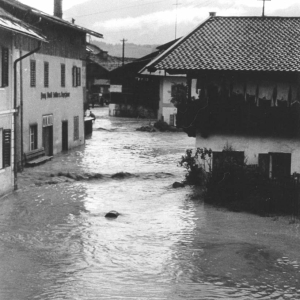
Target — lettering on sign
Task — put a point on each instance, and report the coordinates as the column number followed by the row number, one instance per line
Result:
column 50, row 95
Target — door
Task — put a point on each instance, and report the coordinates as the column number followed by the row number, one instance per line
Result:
column 65, row 136
column 48, row 140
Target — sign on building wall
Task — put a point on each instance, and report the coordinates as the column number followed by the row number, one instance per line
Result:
column 116, row 88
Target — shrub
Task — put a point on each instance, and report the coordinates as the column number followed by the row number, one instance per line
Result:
column 196, row 173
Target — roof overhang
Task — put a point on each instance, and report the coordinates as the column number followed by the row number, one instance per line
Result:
column 56, row 20
column 20, row 28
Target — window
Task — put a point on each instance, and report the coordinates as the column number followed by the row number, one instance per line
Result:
column 48, row 120
column 76, row 128
column 5, row 160
column 76, row 76
column 32, row 73
column 172, row 120
column 46, row 74
column 63, row 75
column 5, row 63
column 275, row 165
column 33, row 137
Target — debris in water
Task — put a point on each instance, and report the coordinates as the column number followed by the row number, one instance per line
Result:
column 112, row 214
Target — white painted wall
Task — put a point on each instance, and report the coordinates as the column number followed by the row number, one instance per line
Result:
column 166, row 107
column 6, row 117
column 62, row 108
column 253, row 146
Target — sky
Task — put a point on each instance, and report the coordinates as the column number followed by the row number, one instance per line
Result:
column 157, row 21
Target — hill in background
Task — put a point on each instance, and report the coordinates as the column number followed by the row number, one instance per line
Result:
column 131, row 50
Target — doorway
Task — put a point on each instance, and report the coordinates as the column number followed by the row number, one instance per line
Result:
column 48, row 140
column 65, row 136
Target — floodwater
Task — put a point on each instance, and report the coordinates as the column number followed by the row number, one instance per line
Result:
column 55, row 242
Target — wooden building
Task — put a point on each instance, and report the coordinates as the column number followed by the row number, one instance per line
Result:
column 245, row 71
column 51, row 85
column 168, row 83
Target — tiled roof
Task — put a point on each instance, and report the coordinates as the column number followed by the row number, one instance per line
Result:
column 237, row 43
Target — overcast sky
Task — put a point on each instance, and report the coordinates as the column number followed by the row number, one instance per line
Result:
column 153, row 21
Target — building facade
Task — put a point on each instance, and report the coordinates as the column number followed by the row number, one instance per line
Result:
column 11, row 28
column 51, row 82
column 246, row 73
column 6, row 114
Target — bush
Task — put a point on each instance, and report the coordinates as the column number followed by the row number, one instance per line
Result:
column 196, row 173
column 239, row 187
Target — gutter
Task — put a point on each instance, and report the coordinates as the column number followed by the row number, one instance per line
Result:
column 17, row 113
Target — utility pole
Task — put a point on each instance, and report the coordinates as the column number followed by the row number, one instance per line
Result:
column 263, row 11
column 176, row 18
column 123, row 51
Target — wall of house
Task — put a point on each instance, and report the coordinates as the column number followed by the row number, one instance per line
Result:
column 252, row 146
column 166, row 107
column 40, row 101
column 6, row 118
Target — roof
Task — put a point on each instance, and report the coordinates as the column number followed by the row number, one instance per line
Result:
column 154, row 55
column 110, row 63
column 10, row 23
column 93, row 49
column 54, row 19
column 236, row 43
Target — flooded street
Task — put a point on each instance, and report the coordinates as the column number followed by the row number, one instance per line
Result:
column 55, row 242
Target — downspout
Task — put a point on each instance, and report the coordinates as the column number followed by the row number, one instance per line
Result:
column 17, row 112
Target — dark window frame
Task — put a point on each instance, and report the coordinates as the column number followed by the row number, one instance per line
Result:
column 76, row 76
column 32, row 73
column 5, row 67
column 74, row 79
column 6, row 148
column 33, row 143
column 63, row 75
column 46, row 74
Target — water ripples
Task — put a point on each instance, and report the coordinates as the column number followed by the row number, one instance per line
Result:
column 166, row 244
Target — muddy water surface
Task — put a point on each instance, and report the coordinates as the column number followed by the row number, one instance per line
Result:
column 56, row 244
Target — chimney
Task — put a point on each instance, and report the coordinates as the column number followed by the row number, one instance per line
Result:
column 58, row 8
column 212, row 14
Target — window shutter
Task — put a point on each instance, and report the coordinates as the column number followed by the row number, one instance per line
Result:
column 32, row 73
column 78, row 76
column 46, row 74
column 5, row 68
column 74, row 80
column 6, row 147
column 63, row 75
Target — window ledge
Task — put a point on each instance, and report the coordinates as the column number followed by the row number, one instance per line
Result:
column 2, row 171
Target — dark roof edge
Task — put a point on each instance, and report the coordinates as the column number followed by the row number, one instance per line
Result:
column 165, row 53
column 54, row 19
